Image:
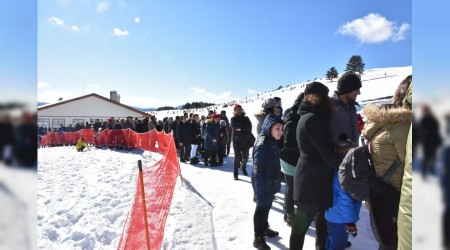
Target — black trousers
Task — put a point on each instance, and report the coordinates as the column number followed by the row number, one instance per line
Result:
column 289, row 194
column 260, row 220
column 184, row 151
column 240, row 153
column 305, row 214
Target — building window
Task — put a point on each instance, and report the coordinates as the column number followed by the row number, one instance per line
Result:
column 75, row 121
column 57, row 122
column 45, row 123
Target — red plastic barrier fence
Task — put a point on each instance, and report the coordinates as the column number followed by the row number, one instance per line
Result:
column 66, row 138
column 160, row 180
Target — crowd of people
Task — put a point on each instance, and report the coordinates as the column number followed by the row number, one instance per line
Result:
column 18, row 139
column 304, row 147
column 318, row 131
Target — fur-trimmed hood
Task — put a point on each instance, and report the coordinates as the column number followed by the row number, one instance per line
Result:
column 260, row 114
column 387, row 113
column 384, row 117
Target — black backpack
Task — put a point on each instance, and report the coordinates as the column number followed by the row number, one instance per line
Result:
column 355, row 172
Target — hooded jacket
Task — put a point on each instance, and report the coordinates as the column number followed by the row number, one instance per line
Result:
column 211, row 132
column 266, row 160
column 387, row 128
column 260, row 117
column 80, row 144
column 345, row 209
column 313, row 177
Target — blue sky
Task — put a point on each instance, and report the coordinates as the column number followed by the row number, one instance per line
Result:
column 157, row 53
column 18, row 47
column 431, row 50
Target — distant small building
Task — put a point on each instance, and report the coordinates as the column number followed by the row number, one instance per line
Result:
column 84, row 109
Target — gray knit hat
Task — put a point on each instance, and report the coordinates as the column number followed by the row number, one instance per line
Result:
column 269, row 103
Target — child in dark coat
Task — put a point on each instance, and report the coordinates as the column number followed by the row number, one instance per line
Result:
column 265, row 178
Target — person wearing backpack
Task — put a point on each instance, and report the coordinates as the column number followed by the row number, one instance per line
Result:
column 387, row 129
column 313, row 176
column 344, row 214
column 344, row 122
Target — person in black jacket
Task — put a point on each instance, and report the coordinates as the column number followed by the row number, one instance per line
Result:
column 241, row 129
column 313, row 176
column 196, row 137
column 289, row 157
column 184, row 139
column 431, row 140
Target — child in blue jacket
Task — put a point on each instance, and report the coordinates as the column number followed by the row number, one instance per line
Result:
column 265, row 178
column 345, row 211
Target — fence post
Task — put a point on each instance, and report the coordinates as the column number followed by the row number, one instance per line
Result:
column 141, row 177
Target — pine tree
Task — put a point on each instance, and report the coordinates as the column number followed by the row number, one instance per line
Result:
column 355, row 65
column 331, row 74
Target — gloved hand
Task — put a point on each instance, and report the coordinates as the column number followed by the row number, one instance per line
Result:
column 351, row 229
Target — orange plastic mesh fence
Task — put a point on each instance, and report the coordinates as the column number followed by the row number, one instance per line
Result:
column 159, row 183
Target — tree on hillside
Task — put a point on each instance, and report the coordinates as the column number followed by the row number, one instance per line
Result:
column 165, row 108
column 331, row 74
column 197, row 105
column 355, row 65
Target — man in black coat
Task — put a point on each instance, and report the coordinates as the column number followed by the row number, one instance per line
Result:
column 184, row 139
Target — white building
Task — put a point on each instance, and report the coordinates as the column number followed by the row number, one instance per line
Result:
column 84, row 109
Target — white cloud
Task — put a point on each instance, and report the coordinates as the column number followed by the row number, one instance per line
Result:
column 210, row 95
column 223, row 96
column 197, row 90
column 95, row 85
column 43, row 85
column 251, row 91
column 400, row 34
column 117, row 32
column 137, row 19
column 102, row 7
column 374, row 28
column 56, row 21
column 74, row 28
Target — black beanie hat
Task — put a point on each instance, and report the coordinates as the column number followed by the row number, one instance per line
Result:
column 316, row 88
column 348, row 83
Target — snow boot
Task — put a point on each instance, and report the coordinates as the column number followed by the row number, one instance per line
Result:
column 235, row 175
column 270, row 233
column 194, row 160
column 260, row 243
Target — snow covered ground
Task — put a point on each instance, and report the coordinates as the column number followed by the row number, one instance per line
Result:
column 18, row 208
column 83, row 198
